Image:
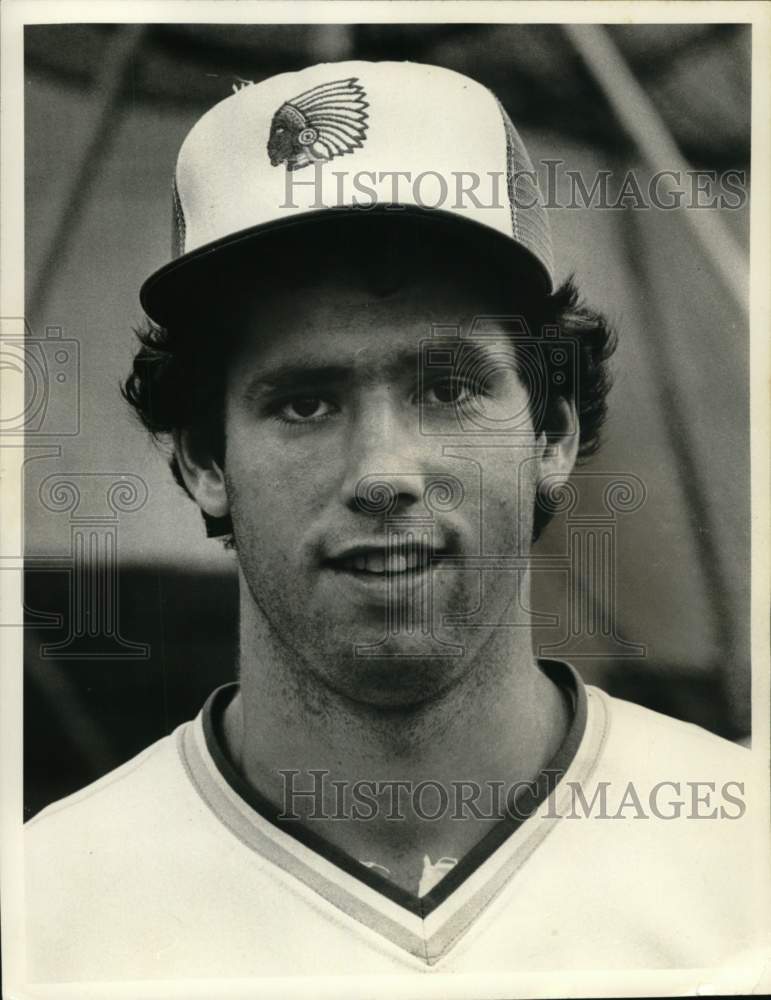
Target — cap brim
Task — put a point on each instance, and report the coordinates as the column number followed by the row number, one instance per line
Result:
column 191, row 281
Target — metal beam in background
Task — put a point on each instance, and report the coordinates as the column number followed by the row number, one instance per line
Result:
column 103, row 122
column 645, row 126
column 729, row 644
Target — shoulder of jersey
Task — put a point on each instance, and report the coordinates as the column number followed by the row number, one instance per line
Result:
column 640, row 742
column 130, row 801
column 637, row 743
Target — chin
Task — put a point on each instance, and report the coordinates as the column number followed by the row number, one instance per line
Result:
column 394, row 678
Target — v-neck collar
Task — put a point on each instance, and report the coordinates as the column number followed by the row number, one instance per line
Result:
column 426, row 926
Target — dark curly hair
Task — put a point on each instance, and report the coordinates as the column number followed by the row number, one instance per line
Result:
column 177, row 382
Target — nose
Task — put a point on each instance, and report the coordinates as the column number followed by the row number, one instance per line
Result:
column 384, row 471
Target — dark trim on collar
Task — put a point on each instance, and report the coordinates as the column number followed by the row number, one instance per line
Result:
column 524, row 805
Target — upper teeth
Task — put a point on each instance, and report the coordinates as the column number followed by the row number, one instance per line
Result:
column 384, row 562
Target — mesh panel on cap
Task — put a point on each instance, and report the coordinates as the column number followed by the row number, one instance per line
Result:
column 178, row 223
column 529, row 221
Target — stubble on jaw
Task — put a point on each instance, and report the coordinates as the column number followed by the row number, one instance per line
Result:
column 290, row 640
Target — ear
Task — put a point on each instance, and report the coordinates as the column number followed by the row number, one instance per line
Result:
column 559, row 449
column 203, row 476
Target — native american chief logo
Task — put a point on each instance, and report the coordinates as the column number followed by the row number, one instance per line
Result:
column 321, row 123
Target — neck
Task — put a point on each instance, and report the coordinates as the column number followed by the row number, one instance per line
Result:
column 501, row 723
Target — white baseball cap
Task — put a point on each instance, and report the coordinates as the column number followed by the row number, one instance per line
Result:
column 348, row 137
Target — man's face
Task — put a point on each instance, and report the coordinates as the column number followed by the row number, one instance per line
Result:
column 365, row 466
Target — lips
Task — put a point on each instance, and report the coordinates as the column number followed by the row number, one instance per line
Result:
column 377, row 561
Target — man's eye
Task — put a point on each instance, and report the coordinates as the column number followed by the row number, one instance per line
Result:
column 305, row 409
column 449, row 392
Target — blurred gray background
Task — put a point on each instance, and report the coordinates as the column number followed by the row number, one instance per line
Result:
column 106, row 108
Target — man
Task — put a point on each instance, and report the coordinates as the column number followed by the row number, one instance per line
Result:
column 352, row 353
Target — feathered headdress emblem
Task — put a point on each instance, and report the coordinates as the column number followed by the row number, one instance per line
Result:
column 321, row 123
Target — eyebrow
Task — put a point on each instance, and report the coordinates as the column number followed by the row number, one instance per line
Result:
column 310, row 370
column 318, row 371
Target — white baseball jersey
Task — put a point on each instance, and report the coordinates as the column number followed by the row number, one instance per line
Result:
column 170, row 866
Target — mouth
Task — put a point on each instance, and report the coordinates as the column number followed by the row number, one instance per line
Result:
column 380, row 563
